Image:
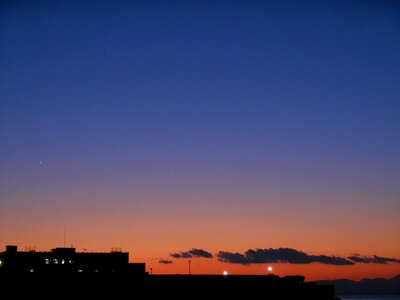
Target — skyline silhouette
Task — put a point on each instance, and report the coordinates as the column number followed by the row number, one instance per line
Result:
column 98, row 273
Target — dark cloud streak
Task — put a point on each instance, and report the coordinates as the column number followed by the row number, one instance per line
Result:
column 181, row 255
column 280, row 255
column 165, row 261
column 372, row 260
column 283, row 255
column 199, row 253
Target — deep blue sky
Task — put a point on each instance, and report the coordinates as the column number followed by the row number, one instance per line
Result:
column 203, row 85
column 297, row 100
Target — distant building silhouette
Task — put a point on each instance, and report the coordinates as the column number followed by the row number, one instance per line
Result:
column 100, row 275
column 67, row 260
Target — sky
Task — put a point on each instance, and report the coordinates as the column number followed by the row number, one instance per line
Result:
column 238, row 128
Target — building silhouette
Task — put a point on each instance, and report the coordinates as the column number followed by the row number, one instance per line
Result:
column 88, row 275
column 67, row 260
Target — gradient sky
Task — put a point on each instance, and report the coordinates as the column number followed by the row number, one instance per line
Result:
column 162, row 126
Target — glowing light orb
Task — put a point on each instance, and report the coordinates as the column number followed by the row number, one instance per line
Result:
column 269, row 269
column 225, row 273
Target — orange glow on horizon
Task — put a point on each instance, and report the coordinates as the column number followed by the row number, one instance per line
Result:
column 151, row 231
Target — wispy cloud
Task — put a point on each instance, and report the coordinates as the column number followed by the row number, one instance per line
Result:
column 192, row 253
column 372, row 259
column 165, row 261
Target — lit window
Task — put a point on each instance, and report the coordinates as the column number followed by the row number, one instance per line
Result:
column 63, row 262
column 70, row 261
column 96, row 271
column 47, row 261
column 79, row 271
column 31, row 270
column 55, row 261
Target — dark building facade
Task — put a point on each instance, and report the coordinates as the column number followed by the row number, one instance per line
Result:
column 67, row 260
